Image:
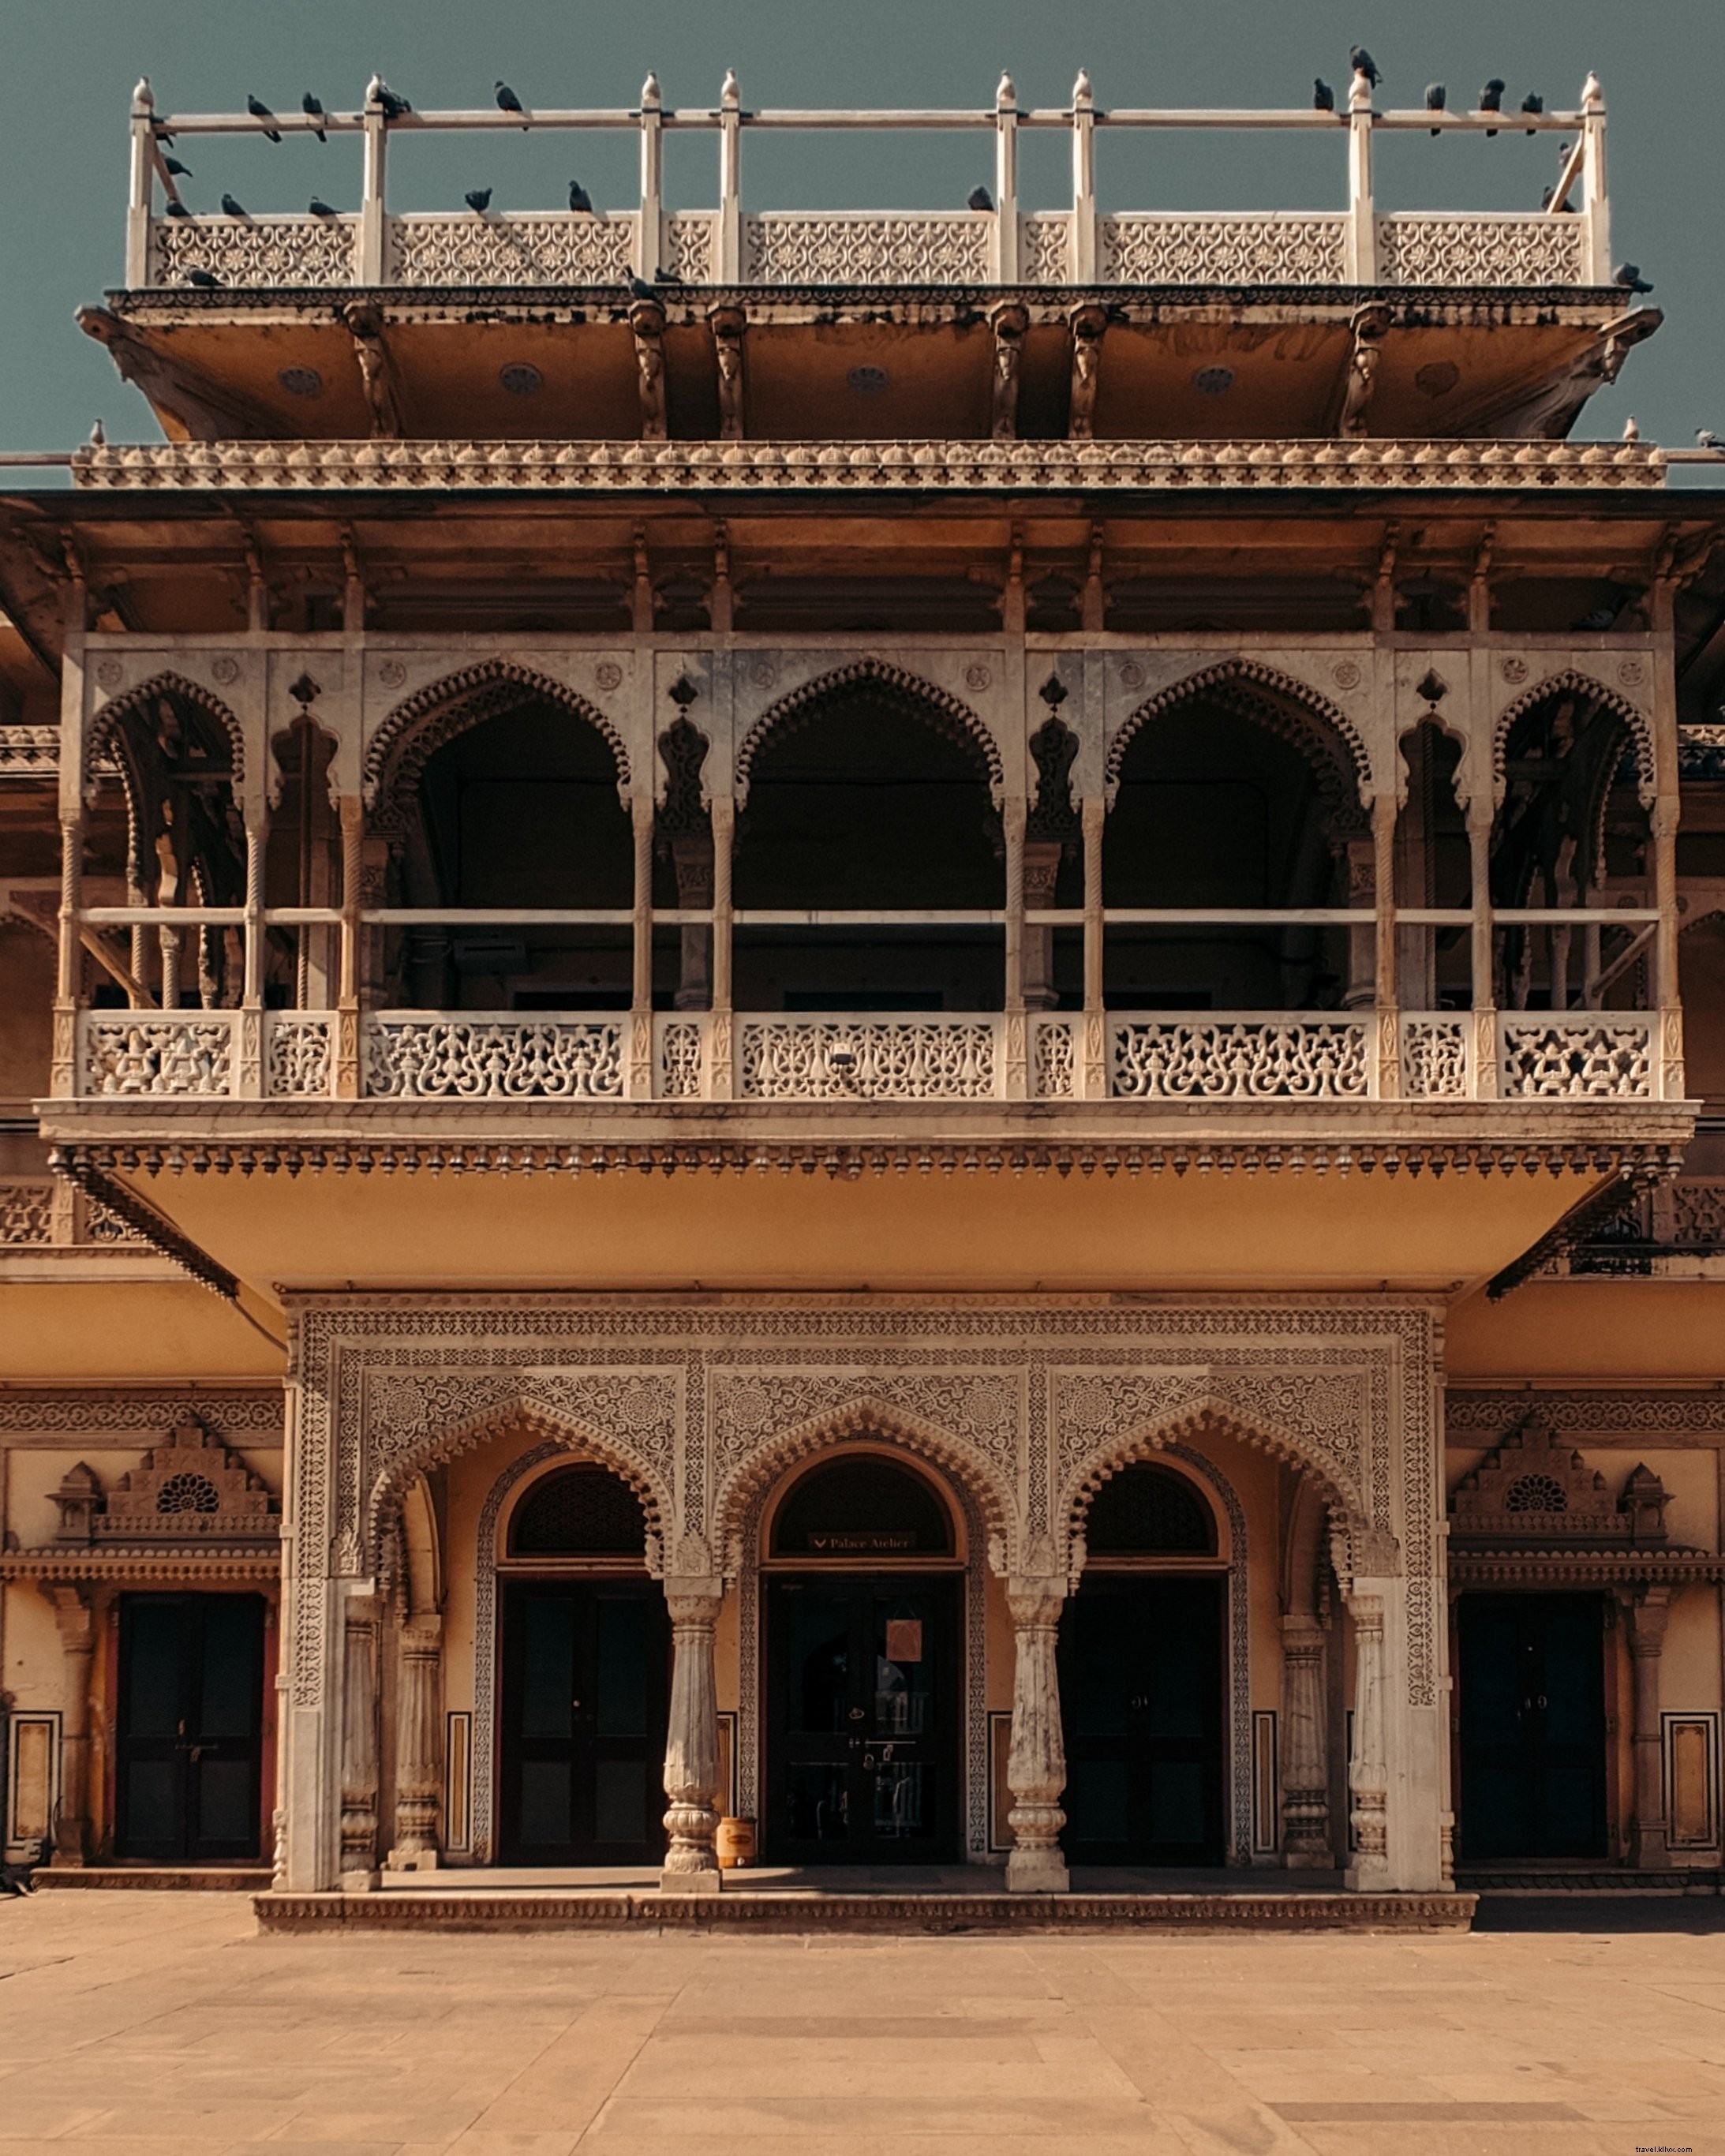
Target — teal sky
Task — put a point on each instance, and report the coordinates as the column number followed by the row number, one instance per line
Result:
column 69, row 66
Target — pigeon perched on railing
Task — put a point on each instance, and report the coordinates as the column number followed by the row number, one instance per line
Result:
column 478, row 200
column 205, row 279
column 641, row 289
column 1436, row 97
column 175, row 169
column 507, row 101
column 1323, row 98
column 1708, row 440
column 259, row 110
column 394, row 107
column 178, row 209
column 1491, row 100
column 314, row 111
column 1361, row 61
column 319, row 207
column 579, row 199
column 979, row 198
column 1533, row 103
column 664, row 276
column 230, row 208
column 1628, row 275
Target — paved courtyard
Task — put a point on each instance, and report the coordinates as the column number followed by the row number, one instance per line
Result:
column 162, row 2023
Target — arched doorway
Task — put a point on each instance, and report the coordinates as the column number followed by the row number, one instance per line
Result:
column 862, row 1577
column 586, row 1677
column 1142, row 1690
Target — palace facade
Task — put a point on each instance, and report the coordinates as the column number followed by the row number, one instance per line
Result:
column 907, row 1025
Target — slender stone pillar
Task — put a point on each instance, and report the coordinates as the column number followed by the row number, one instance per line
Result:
column 1647, row 1609
column 75, row 1616
column 419, row 1766
column 1305, row 1750
column 1036, row 1763
column 359, row 1745
column 691, row 1749
column 1368, row 1770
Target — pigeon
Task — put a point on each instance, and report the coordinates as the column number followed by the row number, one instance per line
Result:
column 979, row 198
column 203, row 278
column 507, row 101
column 580, row 201
column 394, row 107
column 176, row 169
column 1548, row 201
column 478, row 200
column 98, row 436
column 1708, row 439
column 1628, row 275
column 1491, row 100
column 177, row 209
column 664, row 276
column 641, row 289
column 314, row 111
column 1632, row 428
column 319, row 207
column 259, row 110
column 1532, row 102
column 1323, row 98
column 231, row 208
column 1436, row 97
column 1361, row 61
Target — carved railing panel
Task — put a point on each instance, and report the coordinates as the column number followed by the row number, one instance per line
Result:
column 837, row 1059
column 281, row 251
column 1054, row 1072
column 297, row 1050
column 1222, row 250
column 689, row 250
column 1435, row 1057
column 1046, row 250
column 458, row 1058
column 1459, row 249
column 863, row 247
column 518, row 248
column 176, row 1055
column 1583, row 1055
column 26, row 1212
column 1204, row 1058
column 679, row 1059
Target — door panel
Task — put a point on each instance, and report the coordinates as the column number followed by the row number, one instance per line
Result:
column 586, row 1693
column 1142, row 1702
column 1533, row 1720
column 188, row 1753
column 863, row 1720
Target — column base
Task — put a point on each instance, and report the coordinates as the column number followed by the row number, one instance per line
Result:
column 411, row 1860
column 358, row 1882
column 1647, row 1849
column 1037, row 1871
column 1367, row 1879
column 690, row 1882
column 1308, row 1859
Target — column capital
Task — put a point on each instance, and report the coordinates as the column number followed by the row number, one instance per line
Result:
column 1036, row 1598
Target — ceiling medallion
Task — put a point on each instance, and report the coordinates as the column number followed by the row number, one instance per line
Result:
column 301, row 381
column 1212, row 381
column 1514, row 669
column 520, row 380
column 1346, row 674
column 608, row 674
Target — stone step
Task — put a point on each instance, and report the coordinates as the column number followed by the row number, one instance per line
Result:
column 159, row 1878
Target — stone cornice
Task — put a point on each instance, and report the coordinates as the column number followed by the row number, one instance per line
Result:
column 908, row 466
column 193, row 1565
column 1581, row 1567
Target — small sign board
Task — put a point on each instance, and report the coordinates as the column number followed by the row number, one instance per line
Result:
column 867, row 1543
column 904, row 1639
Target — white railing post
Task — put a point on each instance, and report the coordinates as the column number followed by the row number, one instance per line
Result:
column 372, row 228
column 721, row 1032
column 1595, row 202
column 1484, row 1056
column 143, row 178
column 1082, row 246
column 727, row 251
column 1091, row 1072
column 1006, row 183
column 1362, row 213
column 649, row 232
column 1384, row 983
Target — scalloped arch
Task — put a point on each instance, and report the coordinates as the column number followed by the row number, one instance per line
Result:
column 1322, row 733
column 1572, row 681
column 533, row 1420
column 106, row 722
column 864, row 1417
column 894, row 685
column 432, row 716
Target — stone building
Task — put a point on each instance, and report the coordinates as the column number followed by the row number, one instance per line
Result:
column 874, row 1021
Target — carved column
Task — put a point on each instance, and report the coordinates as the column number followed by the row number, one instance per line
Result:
column 1647, row 1610
column 1093, row 1060
column 639, row 1075
column 727, row 325
column 359, row 1745
column 419, row 1765
column 1042, row 868
column 1484, row 969
column 647, row 320
column 723, row 817
column 1361, row 984
column 1017, row 1071
column 1304, row 1749
column 1010, row 322
column 1088, row 326
column 349, row 1082
column 1368, row 1770
column 691, row 1748
column 75, row 1616
column 1389, row 1035
column 691, row 853
column 1036, row 1763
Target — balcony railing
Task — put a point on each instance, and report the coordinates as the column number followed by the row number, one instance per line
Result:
column 1002, row 243
column 44, row 1212
column 836, row 1057
column 1674, row 1231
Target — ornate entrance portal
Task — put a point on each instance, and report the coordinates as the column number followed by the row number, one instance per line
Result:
column 864, row 1704
column 188, row 1745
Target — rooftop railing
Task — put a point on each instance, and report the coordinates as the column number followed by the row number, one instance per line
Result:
column 1002, row 245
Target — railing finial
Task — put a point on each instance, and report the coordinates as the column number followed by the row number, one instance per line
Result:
column 1593, row 94
column 143, row 98
column 1005, row 96
column 650, row 98
column 730, row 96
column 1082, row 97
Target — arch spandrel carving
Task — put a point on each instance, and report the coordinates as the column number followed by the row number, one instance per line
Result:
column 908, row 692
column 422, row 723
column 1573, row 681
column 863, row 1416
column 1291, row 709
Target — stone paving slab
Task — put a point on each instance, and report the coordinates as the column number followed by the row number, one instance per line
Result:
column 134, row 2024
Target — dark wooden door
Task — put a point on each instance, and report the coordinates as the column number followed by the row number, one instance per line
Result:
column 1143, row 1706
column 862, row 1721
column 1532, row 1716
column 189, row 1750
column 585, row 1692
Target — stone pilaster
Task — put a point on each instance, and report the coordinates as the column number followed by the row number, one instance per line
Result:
column 691, row 1749
column 1036, row 1763
column 1368, row 1769
column 1647, row 1610
column 75, row 1616
column 419, row 1764
column 1304, row 1749
column 359, row 1745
